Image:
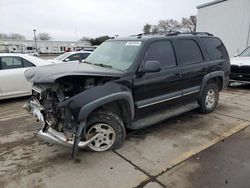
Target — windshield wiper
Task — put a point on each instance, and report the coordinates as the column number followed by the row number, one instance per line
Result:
column 102, row 65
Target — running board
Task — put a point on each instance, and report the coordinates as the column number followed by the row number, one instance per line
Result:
column 161, row 116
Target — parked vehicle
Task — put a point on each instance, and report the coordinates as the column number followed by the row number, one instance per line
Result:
column 240, row 67
column 127, row 83
column 71, row 57
column 12, row 80
column 90, row 49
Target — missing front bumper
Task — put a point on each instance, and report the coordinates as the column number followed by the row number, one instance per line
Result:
column 49, row 134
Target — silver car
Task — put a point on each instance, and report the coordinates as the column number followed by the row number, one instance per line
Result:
column 71, row 57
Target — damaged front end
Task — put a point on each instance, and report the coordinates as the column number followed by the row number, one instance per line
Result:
column 49, row 104
column 49, row 134
column 64, row 96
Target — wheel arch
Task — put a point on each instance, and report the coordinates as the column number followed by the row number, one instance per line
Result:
column 120, row 102
column 217, row 77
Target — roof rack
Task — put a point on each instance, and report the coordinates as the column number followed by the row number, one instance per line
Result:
column 137, row 35
column 189, row 33
column 174, row 34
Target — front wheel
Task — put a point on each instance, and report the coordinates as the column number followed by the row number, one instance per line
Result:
column 111, row 128
column 209, row 99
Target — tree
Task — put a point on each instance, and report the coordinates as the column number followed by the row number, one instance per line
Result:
column 154, row 29
column 43, row 36
column 16, row 36
column 189, row 24
column 171, row 25
column 4, row 36
column 99, row 40
column 84, row 39
column 168, row 26
column 147, row 29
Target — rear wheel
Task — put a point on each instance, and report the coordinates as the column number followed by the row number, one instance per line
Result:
column 111, row 129
column 209, row 99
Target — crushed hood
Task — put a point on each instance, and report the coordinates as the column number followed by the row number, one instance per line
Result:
column 48, row 74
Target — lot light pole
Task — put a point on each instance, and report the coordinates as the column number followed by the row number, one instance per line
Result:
column 35, row 39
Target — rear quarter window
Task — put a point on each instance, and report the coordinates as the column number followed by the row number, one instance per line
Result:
column 215, row 48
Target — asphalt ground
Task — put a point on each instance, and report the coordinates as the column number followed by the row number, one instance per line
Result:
column 191, row 150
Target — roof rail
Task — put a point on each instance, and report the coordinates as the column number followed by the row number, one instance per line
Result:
column 137, row 35
column 189, row 33
column 174, row 34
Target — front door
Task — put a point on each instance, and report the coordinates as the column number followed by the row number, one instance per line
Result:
column 160, row 90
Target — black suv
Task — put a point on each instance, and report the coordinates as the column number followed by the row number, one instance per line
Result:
column 127, row 83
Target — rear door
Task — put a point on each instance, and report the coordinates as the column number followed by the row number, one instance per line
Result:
column 193, row 66
column 12, row 80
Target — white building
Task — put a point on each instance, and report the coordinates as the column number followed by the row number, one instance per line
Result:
column 26, row 46
column 229, row 20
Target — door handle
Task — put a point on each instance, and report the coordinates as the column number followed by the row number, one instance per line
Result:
column 176, row 76
column 203, row 70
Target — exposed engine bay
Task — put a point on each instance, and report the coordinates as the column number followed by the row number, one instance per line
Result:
column 60, row 122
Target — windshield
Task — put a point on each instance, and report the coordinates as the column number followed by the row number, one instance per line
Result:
column 61, row 57
column 246, row 52
column 115, row 54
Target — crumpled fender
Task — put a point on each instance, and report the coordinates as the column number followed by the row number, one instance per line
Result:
column 87, row 101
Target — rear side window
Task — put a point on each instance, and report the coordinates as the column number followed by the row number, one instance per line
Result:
column 188, row 51
column 74, row 57
column 85, row 55
column 26, row 63
column 161, row 51
column 215, row 48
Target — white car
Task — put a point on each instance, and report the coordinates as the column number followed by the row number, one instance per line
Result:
column 71, row 57
column 240, row 67
column 12, row 80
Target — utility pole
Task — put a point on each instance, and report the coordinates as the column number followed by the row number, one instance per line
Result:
column 35, row 39
column 248, row 36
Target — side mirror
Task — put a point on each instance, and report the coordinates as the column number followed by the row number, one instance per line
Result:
column 236, row 54
column 152, row 66
column 66, row 60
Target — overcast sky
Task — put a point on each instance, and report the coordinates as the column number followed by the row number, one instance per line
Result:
column 72, row 19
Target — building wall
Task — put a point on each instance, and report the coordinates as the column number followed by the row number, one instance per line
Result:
column 42, row 46
column 229, row 20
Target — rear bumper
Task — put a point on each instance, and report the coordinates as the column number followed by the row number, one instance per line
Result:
column 49, row 134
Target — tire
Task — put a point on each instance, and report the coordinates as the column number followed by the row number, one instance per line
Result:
column 209, row 98
column 112, row 128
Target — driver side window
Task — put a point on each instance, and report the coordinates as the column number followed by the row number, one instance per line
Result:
column 11, row 63
column 161, row 51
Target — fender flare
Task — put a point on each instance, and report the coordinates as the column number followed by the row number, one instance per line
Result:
column 90, row 107
column 220, row 74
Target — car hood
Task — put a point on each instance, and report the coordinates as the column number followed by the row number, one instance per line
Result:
column 241, row 61
column 48, row 74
